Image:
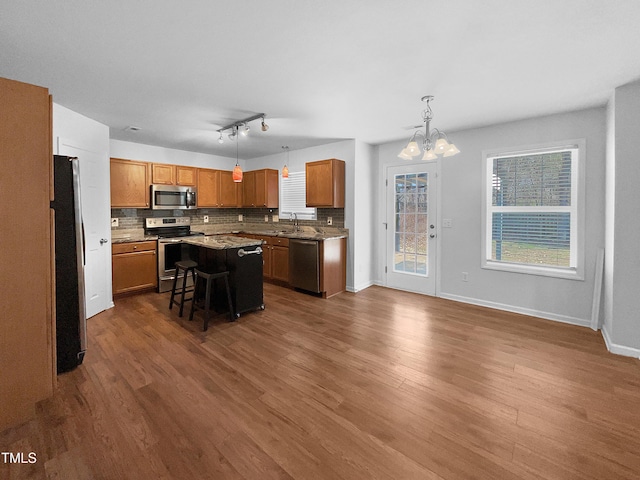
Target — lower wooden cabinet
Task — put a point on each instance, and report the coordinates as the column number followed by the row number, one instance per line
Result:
column 135, row 266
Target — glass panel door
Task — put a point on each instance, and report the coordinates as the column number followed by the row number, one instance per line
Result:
column 411, row 236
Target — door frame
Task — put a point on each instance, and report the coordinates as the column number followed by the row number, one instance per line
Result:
column 385, row 222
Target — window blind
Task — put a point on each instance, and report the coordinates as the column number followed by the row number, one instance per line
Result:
column 532, row 210
column 293, row 197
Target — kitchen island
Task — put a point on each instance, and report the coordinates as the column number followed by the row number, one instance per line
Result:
column 242, row 258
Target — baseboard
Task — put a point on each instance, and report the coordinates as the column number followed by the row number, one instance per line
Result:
column 360, row 287
column 525, row 311
column 618, row 349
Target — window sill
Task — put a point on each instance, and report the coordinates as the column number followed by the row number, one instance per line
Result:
column 566, row 273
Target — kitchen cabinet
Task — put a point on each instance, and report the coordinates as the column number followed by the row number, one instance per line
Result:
column 165, row 174
column 275, row 255
column 230, row 191
column 27, row 329
column 325, row 183
column 130, row 182
column 208, row 188
column 260, row 188
column 134, row 266
column 333, row 266
column 186, row 176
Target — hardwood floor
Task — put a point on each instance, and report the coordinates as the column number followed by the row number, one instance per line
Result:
column 376, row 385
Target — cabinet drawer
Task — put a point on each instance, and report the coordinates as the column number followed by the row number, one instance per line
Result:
column 131, row 247
column 281, row 241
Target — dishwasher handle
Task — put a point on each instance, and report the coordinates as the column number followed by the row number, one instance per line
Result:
column 242, row 252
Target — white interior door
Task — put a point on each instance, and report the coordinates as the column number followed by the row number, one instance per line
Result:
column 95, row 195
column 412, row 228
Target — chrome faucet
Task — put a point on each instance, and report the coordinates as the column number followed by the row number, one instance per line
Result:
column 294, row 216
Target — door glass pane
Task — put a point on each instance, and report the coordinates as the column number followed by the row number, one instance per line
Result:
column 411, row 225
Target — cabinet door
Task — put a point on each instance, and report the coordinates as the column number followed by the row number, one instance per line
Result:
column 325, row 183
column 260, row 188
column 129, row 183
column 230, row 191
column 134, row 271
column 185, row 176
column 280, row 263
column 268, row 261
column 208, row 186
column 163, row 174
column 249, row 189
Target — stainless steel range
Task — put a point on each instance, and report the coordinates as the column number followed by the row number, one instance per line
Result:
column 170, row 232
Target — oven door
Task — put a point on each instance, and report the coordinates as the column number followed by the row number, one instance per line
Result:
column 170, row 251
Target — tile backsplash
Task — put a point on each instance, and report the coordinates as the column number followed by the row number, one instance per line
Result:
column 134, row 218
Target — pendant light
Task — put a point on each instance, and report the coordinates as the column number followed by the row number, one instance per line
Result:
column 237, row 171
column 285, row 169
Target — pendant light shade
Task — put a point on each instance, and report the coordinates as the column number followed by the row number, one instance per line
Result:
column 285, row 169
column 237, row 174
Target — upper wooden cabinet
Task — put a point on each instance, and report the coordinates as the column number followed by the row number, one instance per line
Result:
column 230, row 191
column 325, row 183
column 260, row 188
column 208, row 188
column 186, row 176
column 130, row 182
column 165, row 174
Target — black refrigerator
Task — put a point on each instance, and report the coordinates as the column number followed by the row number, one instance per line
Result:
column 71, row 337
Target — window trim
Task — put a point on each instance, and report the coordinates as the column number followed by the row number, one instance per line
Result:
column 577, row 223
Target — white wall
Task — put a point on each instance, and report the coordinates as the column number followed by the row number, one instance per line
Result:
column 623, row 317
column 151, row 153
column 364, row 239
column 461, row 200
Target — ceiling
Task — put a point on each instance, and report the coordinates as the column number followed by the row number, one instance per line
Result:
column 321, row 71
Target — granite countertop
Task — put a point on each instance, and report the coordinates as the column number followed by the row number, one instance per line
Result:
column 305, row 233
column 221, row 242
column 132, row 235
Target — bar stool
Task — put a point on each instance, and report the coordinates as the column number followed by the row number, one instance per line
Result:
column 209, row 279
column 185, row 266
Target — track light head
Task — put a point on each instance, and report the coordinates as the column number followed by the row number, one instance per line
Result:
column 264, row 127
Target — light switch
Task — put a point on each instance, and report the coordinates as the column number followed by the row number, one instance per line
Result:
column 447, row 223
column 240, row 217
column 266, row 218
column 206, row 219
column 114, row 222
column 329, row 220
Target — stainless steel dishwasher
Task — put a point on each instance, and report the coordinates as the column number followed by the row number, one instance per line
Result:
column 304, row 261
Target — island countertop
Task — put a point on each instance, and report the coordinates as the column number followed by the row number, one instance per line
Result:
column 221, row 242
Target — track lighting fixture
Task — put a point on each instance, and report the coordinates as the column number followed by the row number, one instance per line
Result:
column 434, row 142
column 244, row 123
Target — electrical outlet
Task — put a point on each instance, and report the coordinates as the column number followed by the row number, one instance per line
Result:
column 329, row 220
column 206, row 219
column 240, row 217
column 114, row 222
column 266, row 218
column 275, row 218
column 465, row 276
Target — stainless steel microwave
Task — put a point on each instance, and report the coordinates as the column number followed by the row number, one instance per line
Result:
column 169, row 197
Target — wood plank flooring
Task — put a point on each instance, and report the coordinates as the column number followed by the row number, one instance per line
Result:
column 375, row 385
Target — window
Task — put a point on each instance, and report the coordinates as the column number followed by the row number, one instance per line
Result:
column 533, row 211
column 293, row 197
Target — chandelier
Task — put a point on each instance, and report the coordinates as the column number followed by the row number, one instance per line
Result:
column 434, row 142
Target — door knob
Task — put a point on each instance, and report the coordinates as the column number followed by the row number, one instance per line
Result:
column 432, row 226
column 433, row 235
column 103, row 241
